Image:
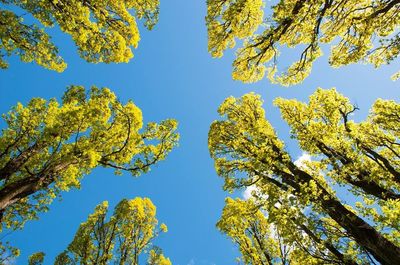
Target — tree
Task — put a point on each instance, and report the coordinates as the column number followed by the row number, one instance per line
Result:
column 48, row 147
column 358, row 30
column 121, row 240
column 362, row 158
column 284, row 241
column 103, row 31
column 249, row 229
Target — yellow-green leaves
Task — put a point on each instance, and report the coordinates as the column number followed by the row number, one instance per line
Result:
column 227, row 20
column 49, row 146
column 8, row 253
column 273, row 238
column 298, row 198
column 104, row 31
column 244, row 131
column 36, row 258
column 156, row 257
column 248, row 228
column 121, row 239
column 364, row 30
column 361, row 154
column 27, row 41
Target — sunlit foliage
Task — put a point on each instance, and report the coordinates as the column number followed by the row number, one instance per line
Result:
column 8, row 253
column 360, row 157
column 121, row 239
column 361, row 30
column 156, row 257
column 47, row 147
column 262, row 242
column 103, row 31
column 36, row 258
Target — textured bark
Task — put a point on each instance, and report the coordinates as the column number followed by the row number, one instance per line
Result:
column 360, row 180
column 15, row 191
column 20, row 189
column 364, row 234
column 373, row 188
column 15, row 163
column 328, row 245
column 378, row 158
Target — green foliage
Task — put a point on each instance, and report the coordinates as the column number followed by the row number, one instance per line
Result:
column 262, row 242
column 49, row 146
column 249, row 229
column 27, row 41
column 363, row 30
column 36, row 258
column 103, row 31
column 156, row 257
column 362, row 157
column 122, row 239
column 8, row 253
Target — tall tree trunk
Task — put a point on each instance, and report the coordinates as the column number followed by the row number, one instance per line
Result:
column 360, row 180
column 15, row 191
column 364, row 234
column 19, row 189
column 327, row 244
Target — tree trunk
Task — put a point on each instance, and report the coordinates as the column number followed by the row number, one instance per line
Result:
column 25, row 187
column 15, row 163
column 364, row 234
column 361, row 181
column 328, row 245
column 20, row 189
column 371, row 187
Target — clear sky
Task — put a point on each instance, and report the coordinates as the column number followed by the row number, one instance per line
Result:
column 171, row 76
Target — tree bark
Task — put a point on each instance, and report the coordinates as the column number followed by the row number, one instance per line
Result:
column 364, row 234
column 18, row 190
column 360, row 180
column 15, row 163
column 15, row 191
column 328, row 245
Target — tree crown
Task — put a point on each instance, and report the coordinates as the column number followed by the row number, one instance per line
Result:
column 358, row 31
column 103, row 31
column 48, row 147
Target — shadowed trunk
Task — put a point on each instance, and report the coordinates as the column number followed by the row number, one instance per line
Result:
column 364, row 234
column 25, row 187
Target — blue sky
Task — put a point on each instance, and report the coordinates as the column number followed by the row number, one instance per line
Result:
column 171, row 76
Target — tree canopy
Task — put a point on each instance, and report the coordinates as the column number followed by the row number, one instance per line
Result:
column 121, row 239
column 339, row 203
column 366, row 31
column 36, row 258
column 49, row 146
column 362, row 158
column 264, row 243
column 103, row 31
